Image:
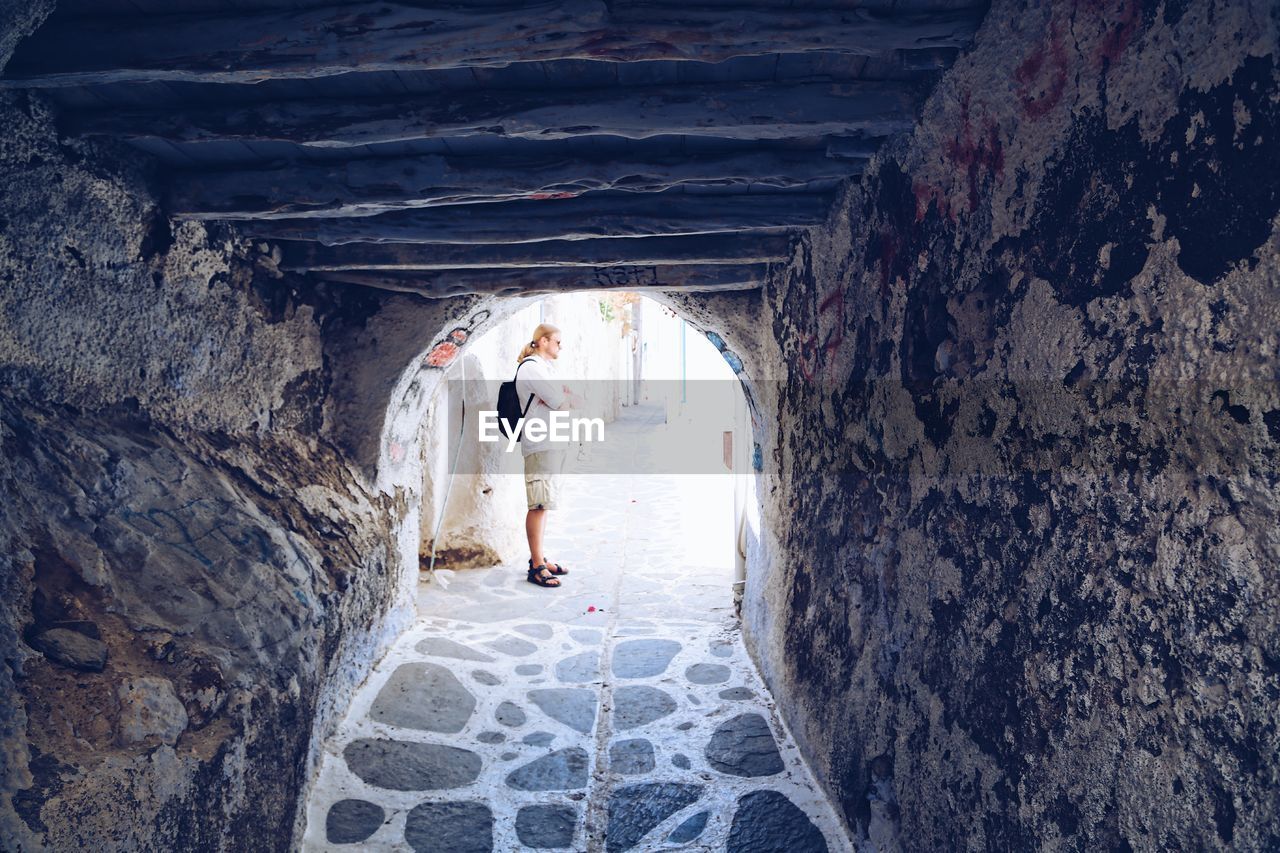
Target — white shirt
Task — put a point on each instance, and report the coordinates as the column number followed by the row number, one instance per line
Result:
column 536, row 376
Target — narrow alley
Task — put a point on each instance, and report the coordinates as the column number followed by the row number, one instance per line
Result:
column 990, row 559
column 618, row 712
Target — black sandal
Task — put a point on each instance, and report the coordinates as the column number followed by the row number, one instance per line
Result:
column 558, row 570
column 535, row 576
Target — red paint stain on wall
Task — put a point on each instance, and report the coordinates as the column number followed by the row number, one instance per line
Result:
column 1127, row 16
column 442, row 354
column 815, row 357
column 1041, row 83
column 974, row 153
column 1041, row 79
column 977, row 154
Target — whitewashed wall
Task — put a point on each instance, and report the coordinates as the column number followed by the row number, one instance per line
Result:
column 484, row 517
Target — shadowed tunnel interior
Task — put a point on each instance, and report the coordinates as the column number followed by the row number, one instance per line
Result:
column 1001, row 283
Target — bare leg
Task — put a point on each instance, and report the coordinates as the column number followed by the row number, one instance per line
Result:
column 542, row 537
column 534, row 524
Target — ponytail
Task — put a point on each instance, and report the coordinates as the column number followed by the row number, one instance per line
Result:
column 531, row 348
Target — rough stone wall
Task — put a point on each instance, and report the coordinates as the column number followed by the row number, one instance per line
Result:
column 104, row 303
column 203, row 540
column 217, row 592
column 1026, row 475
column 19, row 19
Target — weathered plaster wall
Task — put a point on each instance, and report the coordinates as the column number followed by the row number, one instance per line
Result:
column 1026, row 470
column 483, row 523
column 483, row 508
column 198, row 486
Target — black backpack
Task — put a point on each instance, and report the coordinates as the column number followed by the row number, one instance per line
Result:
column 509, row 412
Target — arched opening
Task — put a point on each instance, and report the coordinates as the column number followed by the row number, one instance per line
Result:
column 603, row 707
column 671, row 387
column 399, row 467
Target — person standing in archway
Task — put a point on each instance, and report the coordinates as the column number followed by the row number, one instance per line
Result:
column 543, row 460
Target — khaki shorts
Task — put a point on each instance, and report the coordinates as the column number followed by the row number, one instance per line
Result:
column 542, row 478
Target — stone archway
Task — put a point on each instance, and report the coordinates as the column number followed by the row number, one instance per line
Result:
column 394, row 371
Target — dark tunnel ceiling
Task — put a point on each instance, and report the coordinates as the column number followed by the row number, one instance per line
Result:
column 501, row 148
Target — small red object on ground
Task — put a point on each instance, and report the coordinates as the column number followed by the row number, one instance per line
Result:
column 591, row 608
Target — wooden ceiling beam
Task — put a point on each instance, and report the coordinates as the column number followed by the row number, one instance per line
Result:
column 730, row 110
column 928, row 59
column 656, row 214
column 704, row 250
column 367, row 186
column 249, row 47
column 509, row 282
column 852, row 148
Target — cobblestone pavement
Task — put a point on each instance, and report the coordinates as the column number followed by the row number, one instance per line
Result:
column 512, row 717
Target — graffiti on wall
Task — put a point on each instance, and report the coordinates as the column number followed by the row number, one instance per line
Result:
column 412, row 403
column 757, row 423
column 1040, row 80
column 974, row 157
column 730, row 357
column 445, row 350
column 213, row 531
column 625, row 276
column 818, row 348
column 204, row 530
column 975, row 154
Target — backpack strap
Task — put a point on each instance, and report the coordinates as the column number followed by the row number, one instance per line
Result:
column 513, row 380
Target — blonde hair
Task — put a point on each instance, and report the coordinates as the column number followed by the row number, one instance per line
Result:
column 539, row 333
